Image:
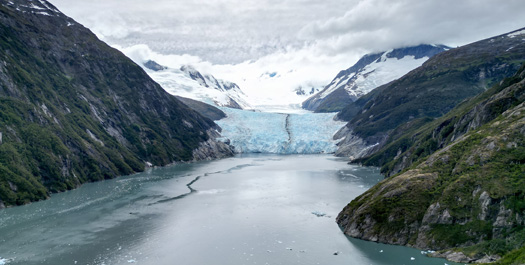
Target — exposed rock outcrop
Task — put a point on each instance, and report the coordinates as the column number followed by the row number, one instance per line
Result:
column 213, row 149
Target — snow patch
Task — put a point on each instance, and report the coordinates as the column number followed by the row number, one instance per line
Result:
column 375, row 74
column 43, row 13
column 188, row 82
column 33, row 6
column 517, row 33
column 44, row 3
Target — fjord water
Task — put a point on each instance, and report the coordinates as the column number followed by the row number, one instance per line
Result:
column 252, row 209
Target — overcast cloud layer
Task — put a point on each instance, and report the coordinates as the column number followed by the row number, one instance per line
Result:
column 305, row 41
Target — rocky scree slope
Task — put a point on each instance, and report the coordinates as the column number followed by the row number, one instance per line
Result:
column 428, row 91
column 371, row 71
column 73, row 109
column 468, row 197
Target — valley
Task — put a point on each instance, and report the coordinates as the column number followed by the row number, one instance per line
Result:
column 323, row 149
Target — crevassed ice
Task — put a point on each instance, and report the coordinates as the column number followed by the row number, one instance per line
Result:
column 262, row 132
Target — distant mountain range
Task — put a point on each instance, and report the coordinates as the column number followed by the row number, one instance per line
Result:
column 188, row 82
column 75, row 110
column 371, row 71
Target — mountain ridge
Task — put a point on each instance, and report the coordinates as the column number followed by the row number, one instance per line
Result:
column 427, row 92
column 369, row 72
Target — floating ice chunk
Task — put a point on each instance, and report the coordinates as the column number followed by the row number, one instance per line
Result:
column 412, row 258
column 381, row 251
column 318, row 214
column 5, row 261
column 132, row 261
column 427, row 252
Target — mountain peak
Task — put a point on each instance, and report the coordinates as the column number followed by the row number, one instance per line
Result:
column 371, row 71
column 152, row 65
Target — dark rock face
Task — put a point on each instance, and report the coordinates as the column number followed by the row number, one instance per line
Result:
column 76, row 110
column 204, row 109
column 467, row 194
column 152, row 65
column 344, row 85
column 431, row 90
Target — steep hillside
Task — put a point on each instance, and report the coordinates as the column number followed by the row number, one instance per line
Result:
column 371, row 71
column 429, row 91
column 75, row 110
column 468, row 197
column 202, row 108
column 413, row 142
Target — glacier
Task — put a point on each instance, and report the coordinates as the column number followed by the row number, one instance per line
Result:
column 279, row 133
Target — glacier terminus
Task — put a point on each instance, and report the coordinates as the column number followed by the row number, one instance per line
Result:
column 279, row 133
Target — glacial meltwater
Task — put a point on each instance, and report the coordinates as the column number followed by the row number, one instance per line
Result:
column 251, row 209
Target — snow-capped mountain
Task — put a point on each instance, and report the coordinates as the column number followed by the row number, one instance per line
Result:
column 190, row 83
column 371, row 71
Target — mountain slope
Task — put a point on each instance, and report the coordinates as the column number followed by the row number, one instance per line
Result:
column 189, row 83
column 469, row 194
column 203, row 109
column 74, row 109
column 428, row 91
column 371, row 71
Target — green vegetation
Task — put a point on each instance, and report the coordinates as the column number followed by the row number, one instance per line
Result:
column 435, row 88
column 334, row 102
column 74, row 110
column 413, row 141
column 515, row 257
column 461, row 184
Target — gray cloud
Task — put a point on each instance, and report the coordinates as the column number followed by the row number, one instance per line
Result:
column 376, row 25
column 232, row 31
column 222, row 31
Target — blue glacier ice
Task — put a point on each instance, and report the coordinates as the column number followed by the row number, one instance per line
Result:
column 279, row 133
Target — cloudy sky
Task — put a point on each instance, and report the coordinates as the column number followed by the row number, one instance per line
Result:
column 305, row 41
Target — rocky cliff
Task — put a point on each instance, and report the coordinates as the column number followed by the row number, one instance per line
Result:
column 468, row 197
column 73, row 109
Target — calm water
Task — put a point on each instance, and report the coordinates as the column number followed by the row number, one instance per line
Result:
column 256, row 209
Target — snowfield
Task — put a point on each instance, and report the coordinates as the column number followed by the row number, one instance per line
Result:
column 374, row 75
column 279, row 133
column 206, row 88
